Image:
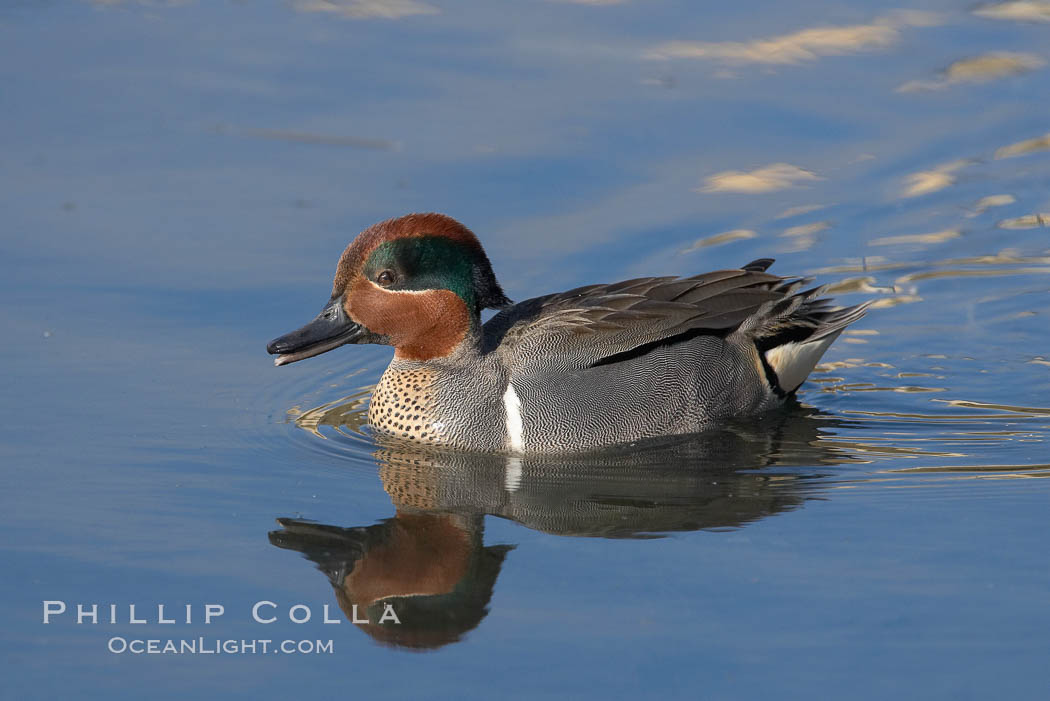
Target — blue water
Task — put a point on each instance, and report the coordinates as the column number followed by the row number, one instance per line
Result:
column 179, row 178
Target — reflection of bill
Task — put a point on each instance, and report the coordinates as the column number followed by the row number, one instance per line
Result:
column 430, row 563
column 430, row 568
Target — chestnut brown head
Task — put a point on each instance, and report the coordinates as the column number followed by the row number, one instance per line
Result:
column 418, row 283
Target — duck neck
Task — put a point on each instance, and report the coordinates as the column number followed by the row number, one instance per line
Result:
column 428, row 325
column 442, row 345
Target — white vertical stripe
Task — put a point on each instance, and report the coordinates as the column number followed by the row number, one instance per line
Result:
column 512, row 408
column 512, row 476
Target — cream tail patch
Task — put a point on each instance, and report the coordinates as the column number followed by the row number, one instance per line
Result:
column 792, row 362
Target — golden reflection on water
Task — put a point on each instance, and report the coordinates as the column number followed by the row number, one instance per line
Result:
column 1021, row 470
column 803, row 236
column 857, row 284
column 958, row 273
column 978, row 69
column 1028, row 221
column 928, row 482
column 945, row 475
column 926, row 181
column 803, row 45
column 800, row 210
column 1016, row 10
column 923, row 239
column 869, row 446
column 719, row 239
column 880, row 264
column 769, row 178
column 891, row 296
column 367, row 9
column 349, row 413
column 1022, row 148
column 1005, row 408
column 870, row 387
column 985, row 203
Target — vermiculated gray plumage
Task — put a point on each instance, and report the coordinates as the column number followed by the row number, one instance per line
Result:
column 606, row 364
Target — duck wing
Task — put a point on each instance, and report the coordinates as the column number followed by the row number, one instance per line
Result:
column 596, row 324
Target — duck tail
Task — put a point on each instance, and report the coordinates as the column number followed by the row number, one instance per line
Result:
column 792, row 334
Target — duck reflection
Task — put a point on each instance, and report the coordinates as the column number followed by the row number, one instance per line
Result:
column 429, row 561
column 430, row 567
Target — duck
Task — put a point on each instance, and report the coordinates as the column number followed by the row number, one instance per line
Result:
column 587, row 369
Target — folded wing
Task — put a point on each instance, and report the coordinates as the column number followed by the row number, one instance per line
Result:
column 596, row 324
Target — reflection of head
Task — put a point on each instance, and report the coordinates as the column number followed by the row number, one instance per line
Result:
column 432, row 569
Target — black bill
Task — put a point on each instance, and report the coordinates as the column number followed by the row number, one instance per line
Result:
column 331, row 329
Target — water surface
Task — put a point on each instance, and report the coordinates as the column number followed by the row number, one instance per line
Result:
column 179, row 178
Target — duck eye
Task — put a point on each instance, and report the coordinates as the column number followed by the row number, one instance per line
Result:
column 385, row 278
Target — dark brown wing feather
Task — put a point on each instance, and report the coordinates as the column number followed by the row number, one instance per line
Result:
column 581, row 327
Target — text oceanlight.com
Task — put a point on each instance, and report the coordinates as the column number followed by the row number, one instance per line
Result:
column 215, row 646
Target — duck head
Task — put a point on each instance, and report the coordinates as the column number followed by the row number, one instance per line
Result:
column 417, row 283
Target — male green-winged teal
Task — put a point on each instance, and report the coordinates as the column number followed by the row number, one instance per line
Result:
column 594, row 366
